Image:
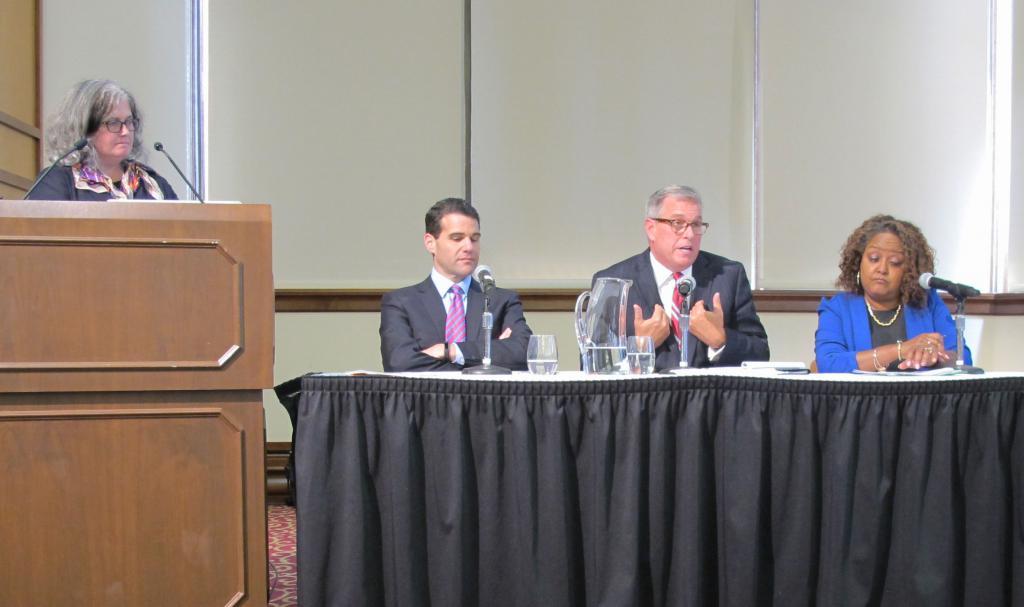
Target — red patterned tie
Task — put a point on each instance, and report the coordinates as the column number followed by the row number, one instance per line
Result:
column 455, row 326
column 677, row 307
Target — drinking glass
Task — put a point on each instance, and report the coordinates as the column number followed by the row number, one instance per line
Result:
column 542, row 355
column 640, row 354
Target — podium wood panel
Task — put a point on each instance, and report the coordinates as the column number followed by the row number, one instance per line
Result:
column 135, row 296
column 132, row 499
column 199, row 287
column 137, row 339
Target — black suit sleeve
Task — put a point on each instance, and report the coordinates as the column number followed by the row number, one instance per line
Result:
column 399, row 348
column 511, row 351
column 745, row 337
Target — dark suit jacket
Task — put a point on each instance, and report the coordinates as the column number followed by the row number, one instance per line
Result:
column 745, row 338
column 413, row 318
column 60, row 185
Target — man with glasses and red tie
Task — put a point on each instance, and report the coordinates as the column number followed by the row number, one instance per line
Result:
column 724, row 328
column 436, row 325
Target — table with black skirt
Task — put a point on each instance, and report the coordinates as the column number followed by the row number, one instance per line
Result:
column 710, row 488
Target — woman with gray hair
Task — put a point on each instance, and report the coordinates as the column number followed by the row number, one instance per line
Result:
column 107, row 167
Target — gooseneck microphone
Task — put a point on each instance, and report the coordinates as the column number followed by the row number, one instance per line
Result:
column 484, row 276
column 81, row 143
column 160, row 148
column 957, row 290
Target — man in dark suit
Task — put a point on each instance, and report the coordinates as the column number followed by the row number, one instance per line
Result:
column 724, row 327
column 436, row 325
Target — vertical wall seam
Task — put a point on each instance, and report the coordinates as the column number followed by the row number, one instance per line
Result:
column 467, row 101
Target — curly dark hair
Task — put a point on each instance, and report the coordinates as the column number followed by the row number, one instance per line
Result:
column 920, row 257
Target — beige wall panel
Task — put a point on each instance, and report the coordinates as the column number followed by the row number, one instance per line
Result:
column 581, row 110
column 348, row 118
column 9, row 192
column 1015, row 265
column 869, row 108
column 18, row 153
column 18, row 49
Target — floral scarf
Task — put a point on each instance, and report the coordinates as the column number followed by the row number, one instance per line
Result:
column 88, row 178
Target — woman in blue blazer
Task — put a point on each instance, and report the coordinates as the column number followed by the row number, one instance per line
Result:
column 884, row 319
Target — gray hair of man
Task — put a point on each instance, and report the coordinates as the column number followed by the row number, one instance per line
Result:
column 81, row 113
column 671, row 191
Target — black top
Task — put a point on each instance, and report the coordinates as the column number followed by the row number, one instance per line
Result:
column 60, row 185
column 883, row 336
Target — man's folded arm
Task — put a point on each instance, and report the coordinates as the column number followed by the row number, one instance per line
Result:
column 399, row 349
column 511, row 351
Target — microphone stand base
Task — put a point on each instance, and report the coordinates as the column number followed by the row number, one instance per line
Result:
column 970, row 370
column 486, row 370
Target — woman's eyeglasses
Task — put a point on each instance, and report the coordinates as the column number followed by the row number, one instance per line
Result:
column 114, row 126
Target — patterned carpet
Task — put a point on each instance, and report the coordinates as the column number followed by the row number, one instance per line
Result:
column 281, row 554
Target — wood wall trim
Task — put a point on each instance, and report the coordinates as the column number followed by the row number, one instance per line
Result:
column 564, row 300
column 16, row 181
column 20, row 126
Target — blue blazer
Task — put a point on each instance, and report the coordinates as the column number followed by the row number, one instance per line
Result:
column 843, row 329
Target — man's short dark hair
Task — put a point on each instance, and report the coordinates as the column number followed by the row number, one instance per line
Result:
column 447, row 207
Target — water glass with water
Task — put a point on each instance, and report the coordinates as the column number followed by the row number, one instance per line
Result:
column 640, row 354
column 542, row 355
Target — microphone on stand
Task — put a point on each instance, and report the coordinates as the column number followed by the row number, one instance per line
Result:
column 685, row 286
column 81, row 143
column 957, row 290
column 483, row 275
column 960, row 293
column 160, row 148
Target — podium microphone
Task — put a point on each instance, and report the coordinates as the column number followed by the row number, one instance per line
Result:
column 81, row 143
column 160, row 148
column 957, row 290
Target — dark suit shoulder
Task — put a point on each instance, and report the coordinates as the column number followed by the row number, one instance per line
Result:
column 717, row 261
column 499, row 294
column 59, row 184
column 625, row 268
column 404, row 292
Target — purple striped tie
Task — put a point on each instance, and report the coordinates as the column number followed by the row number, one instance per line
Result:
column 455, row 326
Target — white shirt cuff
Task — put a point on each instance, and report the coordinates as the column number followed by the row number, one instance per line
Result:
column 714, row 352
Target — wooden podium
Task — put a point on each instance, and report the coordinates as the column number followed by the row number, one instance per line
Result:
column 135, row 341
